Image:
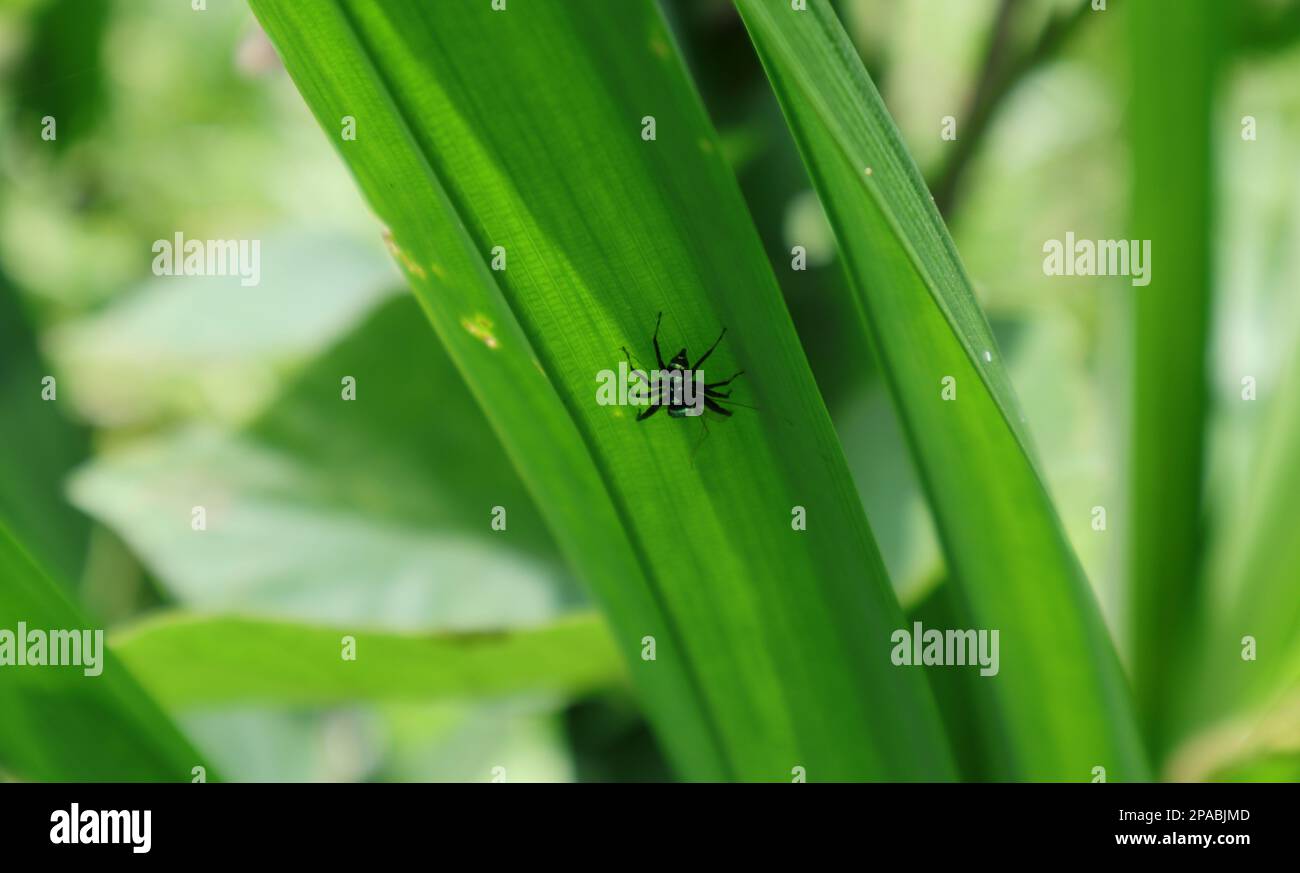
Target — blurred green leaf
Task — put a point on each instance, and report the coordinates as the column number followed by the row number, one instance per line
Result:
column 610, row 741
column 190, row 661
column 1174, row 50
column 386, row 741
column 61, row 75
column 61, row 725
column 1281, row 767
column 457, row 742
column 1255, row 741
column 1266, row 26
column 375, row 510
column 38, row 447
column 1059, row 705
column 1259, row 592
column 891, row 493
column 1252, row 603
column 771, row 642
column 209, row 347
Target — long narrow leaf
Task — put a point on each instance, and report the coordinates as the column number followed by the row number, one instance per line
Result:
column 1059, row 706
column 189, row 661
column 772, row 642
column 460, row 295
column 1174, row 49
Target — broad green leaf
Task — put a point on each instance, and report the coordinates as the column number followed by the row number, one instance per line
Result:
column 190, row 661
column 445, row 741
column 60, row 724
column 38, row 447
column 459, row 743
column 1059, row 705
column 375, row 509
column 411, row 444
column 209, row 346
column 1174, row 49
column 771, row 643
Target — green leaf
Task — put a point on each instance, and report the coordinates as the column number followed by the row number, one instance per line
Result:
column 374, row 509
column 61, row 74
column 411, row 444
column 1251, row 605
column 207, row 346
column 1059, row 705
column 962, row 702
column 771, row 644
column 36, row 455
column 190, row 661
column 61, row 725
column 1174, row 50
column 1262, row 740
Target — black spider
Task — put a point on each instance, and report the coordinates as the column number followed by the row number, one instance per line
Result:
column 680, row 368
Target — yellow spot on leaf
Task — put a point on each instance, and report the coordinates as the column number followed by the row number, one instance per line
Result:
column 398, row 252
column 480, row 327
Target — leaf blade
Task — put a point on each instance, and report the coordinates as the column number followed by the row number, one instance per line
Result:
column 783, row 674
column 1174, row 50
column 1061, row 705
column 62, row 725
column 189, row 661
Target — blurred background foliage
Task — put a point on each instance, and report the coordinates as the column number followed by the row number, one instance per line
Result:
column 173, row 119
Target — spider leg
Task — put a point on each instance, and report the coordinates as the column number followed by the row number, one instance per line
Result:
column 695, row 451
column 704, row 357
column 709, row 392
column 637, row 369
column 651, row 410
column 712, row 404
column 655, row 339
column 724, row 381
